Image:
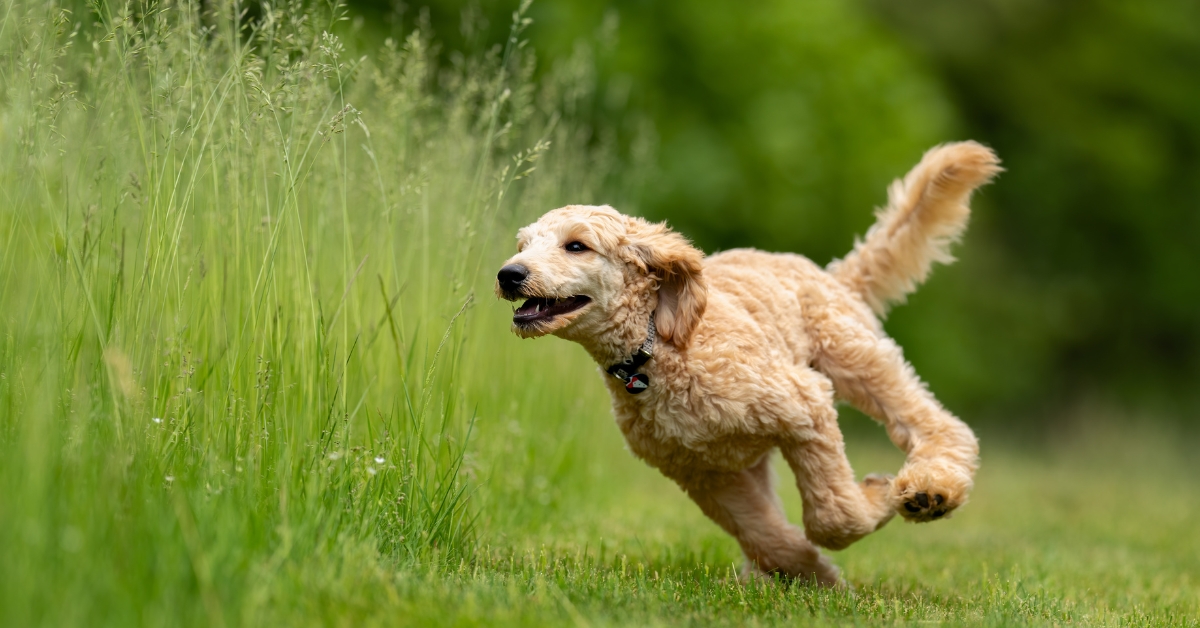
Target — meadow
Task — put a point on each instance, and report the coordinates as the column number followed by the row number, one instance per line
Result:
column 252, row 372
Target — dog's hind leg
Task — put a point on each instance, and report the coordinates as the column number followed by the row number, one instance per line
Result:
column 869, row 371
column 746, row 506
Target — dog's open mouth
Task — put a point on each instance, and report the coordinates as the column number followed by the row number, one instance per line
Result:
column 540, row 309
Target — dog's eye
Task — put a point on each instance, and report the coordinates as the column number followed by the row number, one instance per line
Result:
column 576, row 247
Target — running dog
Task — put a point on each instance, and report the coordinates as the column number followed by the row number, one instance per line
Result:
column 714, row 362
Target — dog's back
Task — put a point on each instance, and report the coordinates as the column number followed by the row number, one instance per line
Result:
column 769, row 297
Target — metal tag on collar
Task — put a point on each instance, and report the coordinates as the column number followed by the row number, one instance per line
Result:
column 627, row 370
column 624, row 370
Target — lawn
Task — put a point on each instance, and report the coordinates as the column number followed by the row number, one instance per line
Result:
column 251, row 371
column 1091, row 531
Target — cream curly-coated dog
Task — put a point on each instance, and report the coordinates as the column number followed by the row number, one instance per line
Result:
column 714, row 362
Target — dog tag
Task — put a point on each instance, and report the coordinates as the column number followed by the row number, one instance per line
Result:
column 637, row 383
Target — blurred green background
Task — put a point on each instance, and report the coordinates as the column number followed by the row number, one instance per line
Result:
column 778, row 124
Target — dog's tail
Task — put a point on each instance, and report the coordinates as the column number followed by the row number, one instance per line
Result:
column 925, row 214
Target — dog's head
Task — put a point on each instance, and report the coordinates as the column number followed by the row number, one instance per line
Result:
column 582, row 270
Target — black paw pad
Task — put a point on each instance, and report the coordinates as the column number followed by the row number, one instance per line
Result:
column 925, row 506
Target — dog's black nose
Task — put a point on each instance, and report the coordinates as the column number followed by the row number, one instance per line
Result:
column 512, row 276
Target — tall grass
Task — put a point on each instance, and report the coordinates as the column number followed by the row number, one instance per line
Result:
column 239, row 268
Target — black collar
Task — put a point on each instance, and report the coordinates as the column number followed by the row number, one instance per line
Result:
column 627, row 369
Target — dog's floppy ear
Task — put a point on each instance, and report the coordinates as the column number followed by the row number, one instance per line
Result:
column 682, row 293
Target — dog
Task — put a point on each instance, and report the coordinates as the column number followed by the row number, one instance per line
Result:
column 715, row 362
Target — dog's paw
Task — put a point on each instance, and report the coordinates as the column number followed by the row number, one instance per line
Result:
column 930, row 491
column 877, row 488
column 874, row 482
column 921, row 507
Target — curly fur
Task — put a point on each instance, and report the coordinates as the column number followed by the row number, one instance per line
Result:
column 755, row 349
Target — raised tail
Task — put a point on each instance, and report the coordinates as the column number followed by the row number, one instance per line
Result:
column 925, row 214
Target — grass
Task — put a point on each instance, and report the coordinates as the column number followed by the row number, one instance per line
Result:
column 1096, row 531
column 251, row 372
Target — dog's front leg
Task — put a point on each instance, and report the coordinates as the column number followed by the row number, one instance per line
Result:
column 746, row 506
column 837, row 510
column 870, row 371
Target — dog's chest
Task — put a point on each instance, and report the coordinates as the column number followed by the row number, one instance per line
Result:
column 669, row 437
column 731, row 454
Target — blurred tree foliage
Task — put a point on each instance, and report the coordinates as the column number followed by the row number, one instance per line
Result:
column 778, row 124
column 1095, row 107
